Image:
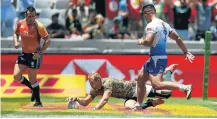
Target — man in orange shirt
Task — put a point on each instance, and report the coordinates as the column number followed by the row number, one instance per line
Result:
column 31, row 31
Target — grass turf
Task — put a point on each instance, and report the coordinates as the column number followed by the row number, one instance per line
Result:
column 174, row 107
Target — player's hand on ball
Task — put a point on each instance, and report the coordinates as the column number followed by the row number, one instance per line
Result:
column 73, row 105
column 71, row 99
column 137, row 106
column 16, row 45
column 189, row 57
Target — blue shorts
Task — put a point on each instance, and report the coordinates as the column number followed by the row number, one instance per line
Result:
column 155, row 65
column 27, row 59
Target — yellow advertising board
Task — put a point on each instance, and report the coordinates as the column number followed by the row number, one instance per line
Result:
column 50, row 85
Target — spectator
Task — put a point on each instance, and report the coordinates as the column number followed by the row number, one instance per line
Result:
column 182, row 14
column 55, row 29
column 23, row 4
column 8, row 15
column 215, row 33
column 123, row 13
column 168, row 11
column 204, row 14
column 159, row 5
column 91, row 17
column 119, row 32
column 97, row 29
column 73, row 23
column 100, row 6
column 82, row 11
column 214, row 30
column 100, row 32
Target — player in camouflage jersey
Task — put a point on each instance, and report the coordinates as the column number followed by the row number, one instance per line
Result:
column 111, row 87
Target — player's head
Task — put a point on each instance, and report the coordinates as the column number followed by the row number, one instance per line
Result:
column 148, row 11
column 95, row 81
column 30, row 15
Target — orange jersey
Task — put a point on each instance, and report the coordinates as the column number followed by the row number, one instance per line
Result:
column 30, row 35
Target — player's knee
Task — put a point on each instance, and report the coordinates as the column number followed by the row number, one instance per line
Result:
column 129, row 104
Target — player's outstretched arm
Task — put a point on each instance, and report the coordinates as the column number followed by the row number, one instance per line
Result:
column 103, row 100
column 82, row 101
column 85, row 101
column 173, row 35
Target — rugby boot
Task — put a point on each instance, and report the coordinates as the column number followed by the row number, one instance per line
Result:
column 188, row 91
column 38, row 104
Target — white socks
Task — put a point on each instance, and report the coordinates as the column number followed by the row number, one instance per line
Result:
column 21, row 80
column 183, row 87
column 137, row 104
column 35, row 84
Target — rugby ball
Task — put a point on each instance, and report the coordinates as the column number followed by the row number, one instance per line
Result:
column 73, row 105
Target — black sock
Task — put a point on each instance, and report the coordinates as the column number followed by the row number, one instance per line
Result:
column 146, row 105
column 152, row 93
column 24, row 81
column 36, row 91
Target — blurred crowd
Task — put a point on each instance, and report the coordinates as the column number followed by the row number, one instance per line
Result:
column 111, row 19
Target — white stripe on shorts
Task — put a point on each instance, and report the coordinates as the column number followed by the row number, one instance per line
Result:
column 155, row 58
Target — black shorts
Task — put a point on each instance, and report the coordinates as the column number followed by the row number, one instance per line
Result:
column 27, row 59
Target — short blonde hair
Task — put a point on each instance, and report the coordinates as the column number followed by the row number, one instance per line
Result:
column 94, row 76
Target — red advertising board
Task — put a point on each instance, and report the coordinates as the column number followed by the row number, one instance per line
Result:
column 123, row 67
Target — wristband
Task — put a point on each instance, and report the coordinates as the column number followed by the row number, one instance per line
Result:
column 40, row 52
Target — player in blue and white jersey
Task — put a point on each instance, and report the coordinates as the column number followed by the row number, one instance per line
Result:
column 155, row 36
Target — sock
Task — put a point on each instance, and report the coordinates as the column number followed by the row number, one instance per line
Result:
column 146, row 105
column 36, row 91
column 167, row 76
column 182, row 87
column 138, row 104
column 24, row 81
